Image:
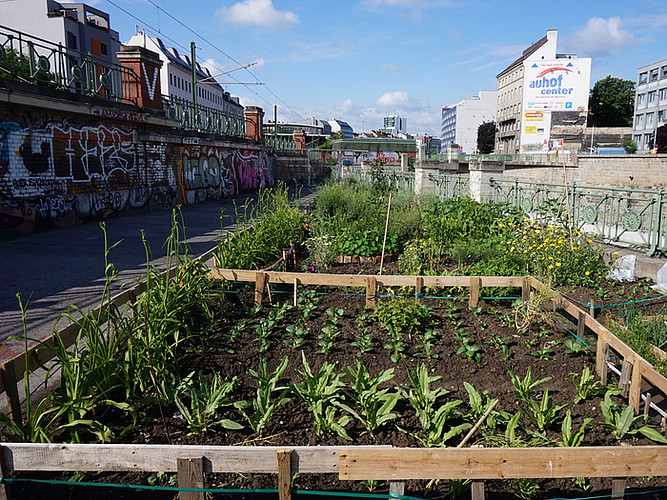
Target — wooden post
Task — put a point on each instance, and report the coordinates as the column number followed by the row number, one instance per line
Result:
column 8, row 374
column 419, row 283
column 284, row 458
column 371, row 287
column 4, row 494
column 525, row 290
column 190, row 475
column 477, row 490
column 647, row 403
column 475, row 284
column 260, row 285
column 636, row 385
column 397, row 488
column 624, row 381
column 296, row 282
column 617, row 489
column 591, row 311
column 602, row 357
column 581, row 325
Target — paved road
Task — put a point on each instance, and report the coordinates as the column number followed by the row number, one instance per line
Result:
column 58, row 268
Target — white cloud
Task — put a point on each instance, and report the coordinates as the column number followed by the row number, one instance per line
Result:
column 400, row 99
column 391, row 67
column 600, row 36
column 258, row 13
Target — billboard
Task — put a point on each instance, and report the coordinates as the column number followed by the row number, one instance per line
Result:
column 557, row 85
column 535, row 131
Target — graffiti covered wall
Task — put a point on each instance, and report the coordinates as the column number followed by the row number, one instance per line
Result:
column 62, row 170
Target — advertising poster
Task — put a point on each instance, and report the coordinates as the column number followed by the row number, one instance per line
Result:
column 535, row 131
column 557, row 85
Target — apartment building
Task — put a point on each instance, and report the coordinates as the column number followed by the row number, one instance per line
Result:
column 176, row 77
column 650, row 104
column 542, row 99
column 460, row 122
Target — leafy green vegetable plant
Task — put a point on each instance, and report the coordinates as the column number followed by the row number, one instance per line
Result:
column 321, row 393
column 205, row 401
column 621, row 421
column 568, row 438
column 574, row 348
column 586, row 385
column 544, row 414
column 523, row 388
column 270, row 395
column 373, row 405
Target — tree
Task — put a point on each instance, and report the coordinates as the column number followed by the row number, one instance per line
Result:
column 329, row 142
column 486, row 137
column 630, row 146
column 611, row 102
column 661, row 139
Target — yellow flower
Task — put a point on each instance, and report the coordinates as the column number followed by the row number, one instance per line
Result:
column 557, row 264
column 551, row 266
column 587, row 273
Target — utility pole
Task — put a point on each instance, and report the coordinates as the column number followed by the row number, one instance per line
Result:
column 275, row 124
column 194, row 76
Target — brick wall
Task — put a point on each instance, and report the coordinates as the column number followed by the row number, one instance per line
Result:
column 64, row 163
column 625, row 171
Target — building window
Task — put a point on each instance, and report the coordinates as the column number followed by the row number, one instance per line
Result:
column 643, row 77
column 641, row 99
column 654, row 74
column 103, row 49
column 651, row 96
column 661, row 116
column 639, row 121
column 648, row 141
column 649, row 119
column 664, row 72
column 663, row 94
column 71, row 40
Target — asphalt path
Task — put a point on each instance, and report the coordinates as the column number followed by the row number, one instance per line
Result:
column 55, row 269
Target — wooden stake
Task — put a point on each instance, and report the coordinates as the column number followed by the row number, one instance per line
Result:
column 386, row 227
column 419, row 283
column 604, row 369
column 617, row 489
column 591, row 310
column 296, row 282
column 581, row 325
column 396, row 488
column 635, row 397
column 371, row 288
column 191, row 475
column 475, row 284
column 479, row 422
column 8, row 374
column 525, row 290
column 261, row 279
column 4, row 494
column 647, row 403
column 477, row 490
column 624, row 381
column 284, row 458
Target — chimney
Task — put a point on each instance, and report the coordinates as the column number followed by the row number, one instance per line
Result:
column 254, row 123
column 143, row 88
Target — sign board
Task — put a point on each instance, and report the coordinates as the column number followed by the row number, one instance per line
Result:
column 557, row 85
column 535, row 131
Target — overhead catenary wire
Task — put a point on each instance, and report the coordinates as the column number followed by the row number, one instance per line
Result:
column 212, row 45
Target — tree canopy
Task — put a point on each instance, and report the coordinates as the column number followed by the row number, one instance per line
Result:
column 486, row 137
column 328, row 144
column 611, row 102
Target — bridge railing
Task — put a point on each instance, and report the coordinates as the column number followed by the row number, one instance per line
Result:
column 550, row 158
column 203, row 118
column 30, row 59
column 632, row 216
column 449, row 186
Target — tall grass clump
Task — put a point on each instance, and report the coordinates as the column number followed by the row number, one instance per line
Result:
column 353, row 215
column 265, row 229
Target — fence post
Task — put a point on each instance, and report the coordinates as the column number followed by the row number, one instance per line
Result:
column 419, row 283
column 656, row 233
column 397, row 488
column 284, row 458
column 477, row 490
column 4, row 495
column 525, row 290
column 617, row 489
column 8, row 374
column 475, row 284
column 260, row 286
column 191, row 475
column 371, row 287
column 636, row 385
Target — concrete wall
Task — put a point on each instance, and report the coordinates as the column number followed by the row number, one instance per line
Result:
column 64, row 163
column 625, row 171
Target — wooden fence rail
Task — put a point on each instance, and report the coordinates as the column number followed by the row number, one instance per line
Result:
column 353, row 463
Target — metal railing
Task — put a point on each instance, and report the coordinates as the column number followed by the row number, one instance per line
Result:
column 633, row 216
column 280, row 142
column 31, row 59
column 448, row 186
column 395, row 179
column 551, row 158
column 203, row 118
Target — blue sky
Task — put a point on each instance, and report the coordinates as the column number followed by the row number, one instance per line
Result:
column 360, row 60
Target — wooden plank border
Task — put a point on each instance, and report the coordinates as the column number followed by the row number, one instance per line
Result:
column 501, row 463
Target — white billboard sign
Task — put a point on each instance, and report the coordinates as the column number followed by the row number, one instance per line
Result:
column 557, row 85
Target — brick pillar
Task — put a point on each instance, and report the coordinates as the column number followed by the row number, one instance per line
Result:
column 300, row 139
column 144, row 89
column 254, row 123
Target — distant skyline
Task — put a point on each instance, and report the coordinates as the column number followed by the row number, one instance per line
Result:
column 361, row 60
